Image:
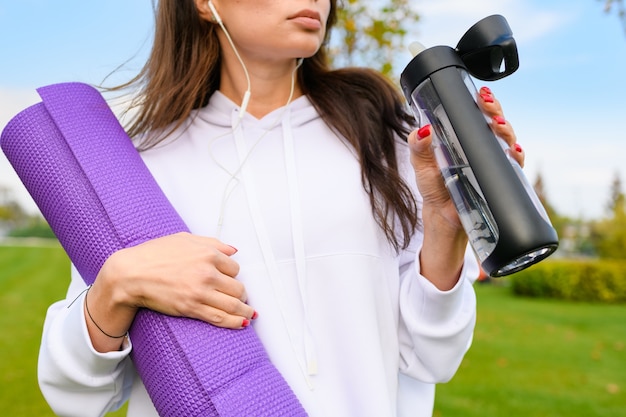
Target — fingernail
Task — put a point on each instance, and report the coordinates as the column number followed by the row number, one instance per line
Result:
column 499, row 120
column 255, row 315
column 423, row 131
column 518, row 148
column 234, row 248
column 245, row 323
column 487, row 98
column 485, row 90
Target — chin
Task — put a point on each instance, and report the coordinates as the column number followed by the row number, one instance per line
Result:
column 307, row 51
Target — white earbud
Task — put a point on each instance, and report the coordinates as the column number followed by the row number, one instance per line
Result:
column 246, row 96
column 215, row 13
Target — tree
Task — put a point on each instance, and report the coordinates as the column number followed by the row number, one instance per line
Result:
column 558, row 221
column 610, row 233
column 616, row 200
column 540, row 190
column 371, row 35
column 616, row 6
column 16, row 222
column 11, row 213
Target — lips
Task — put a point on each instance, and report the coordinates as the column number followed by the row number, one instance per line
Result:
column 309, row 20
column 307, row 14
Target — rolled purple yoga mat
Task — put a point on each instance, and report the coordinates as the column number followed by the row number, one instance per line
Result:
column 98, row 196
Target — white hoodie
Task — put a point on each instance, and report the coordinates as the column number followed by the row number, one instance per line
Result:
column 352, row 326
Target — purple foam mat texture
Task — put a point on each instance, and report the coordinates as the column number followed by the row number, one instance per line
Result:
column 91, row 185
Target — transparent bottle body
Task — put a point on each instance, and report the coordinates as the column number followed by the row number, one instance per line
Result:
column 464, row 189
column 474, row 213
column 507, row 150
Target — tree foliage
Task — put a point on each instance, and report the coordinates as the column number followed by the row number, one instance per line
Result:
column 616, row 6
column 540, row 190
column 371, row 35
column 616, row 199
column 558, row 222
column 610, row 233
column 16, row 222
column 10, row 211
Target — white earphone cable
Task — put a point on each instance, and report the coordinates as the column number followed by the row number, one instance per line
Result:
column 234, row 175
column 246, row 95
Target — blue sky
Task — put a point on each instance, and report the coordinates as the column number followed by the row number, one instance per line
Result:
column 566, row 102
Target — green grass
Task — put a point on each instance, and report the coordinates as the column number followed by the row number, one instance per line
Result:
column 530, row 357
column 31, row 278
column 534, row 358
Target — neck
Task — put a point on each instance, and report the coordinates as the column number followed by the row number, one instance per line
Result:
column 270, row 83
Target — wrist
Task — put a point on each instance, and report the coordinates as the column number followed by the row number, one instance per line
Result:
column 113, row 281
column 93, row 321
column 444, row 223
column 443, row 249
column 109, row 310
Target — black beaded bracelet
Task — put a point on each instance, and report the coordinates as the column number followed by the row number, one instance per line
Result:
column 96, row 324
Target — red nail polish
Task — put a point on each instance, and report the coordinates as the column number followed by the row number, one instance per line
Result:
column 485, row 90
column 234, row 248
column 499, row 120
column 245, row 323
column 423, row 131
column 487, row 98
column 518, row 148
column 255, row 315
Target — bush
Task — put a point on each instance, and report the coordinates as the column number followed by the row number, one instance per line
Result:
column 595, row 281
column 35, row 227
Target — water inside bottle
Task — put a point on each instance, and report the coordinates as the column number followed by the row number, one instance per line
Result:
column 474, row 213
column 479, row 225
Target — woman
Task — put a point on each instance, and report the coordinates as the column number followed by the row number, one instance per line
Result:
column 300, row 186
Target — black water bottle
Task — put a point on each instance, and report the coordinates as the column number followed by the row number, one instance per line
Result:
column 506, row 224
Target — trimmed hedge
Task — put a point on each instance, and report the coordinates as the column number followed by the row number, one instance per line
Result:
column 592, row 280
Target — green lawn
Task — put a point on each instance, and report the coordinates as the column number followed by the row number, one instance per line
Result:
column 538, row 358
column 530, row 358
column 31, row 278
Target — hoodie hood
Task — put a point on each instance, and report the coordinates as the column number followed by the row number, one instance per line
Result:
column 220, row 109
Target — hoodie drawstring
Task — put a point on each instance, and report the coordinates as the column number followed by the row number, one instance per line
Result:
column 308, row 361
column 298, row 242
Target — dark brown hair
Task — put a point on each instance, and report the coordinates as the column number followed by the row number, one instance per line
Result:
column 360, row 104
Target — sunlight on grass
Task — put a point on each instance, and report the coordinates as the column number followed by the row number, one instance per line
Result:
column 530, row 357
column 540, row 358
column 31, row 279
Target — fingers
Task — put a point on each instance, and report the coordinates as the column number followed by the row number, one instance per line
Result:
column 420, row 141
column 219, row 318
column 499, row 124
column 219, row 309
column 493, row 110
column 217, row 297
column 488, row 103
column 218, row 254
column 517, row 153
column 423, row 158
column 182, row 275
column 503, row 129
column 207, row 295
column 217, row 244
column 427, row 172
